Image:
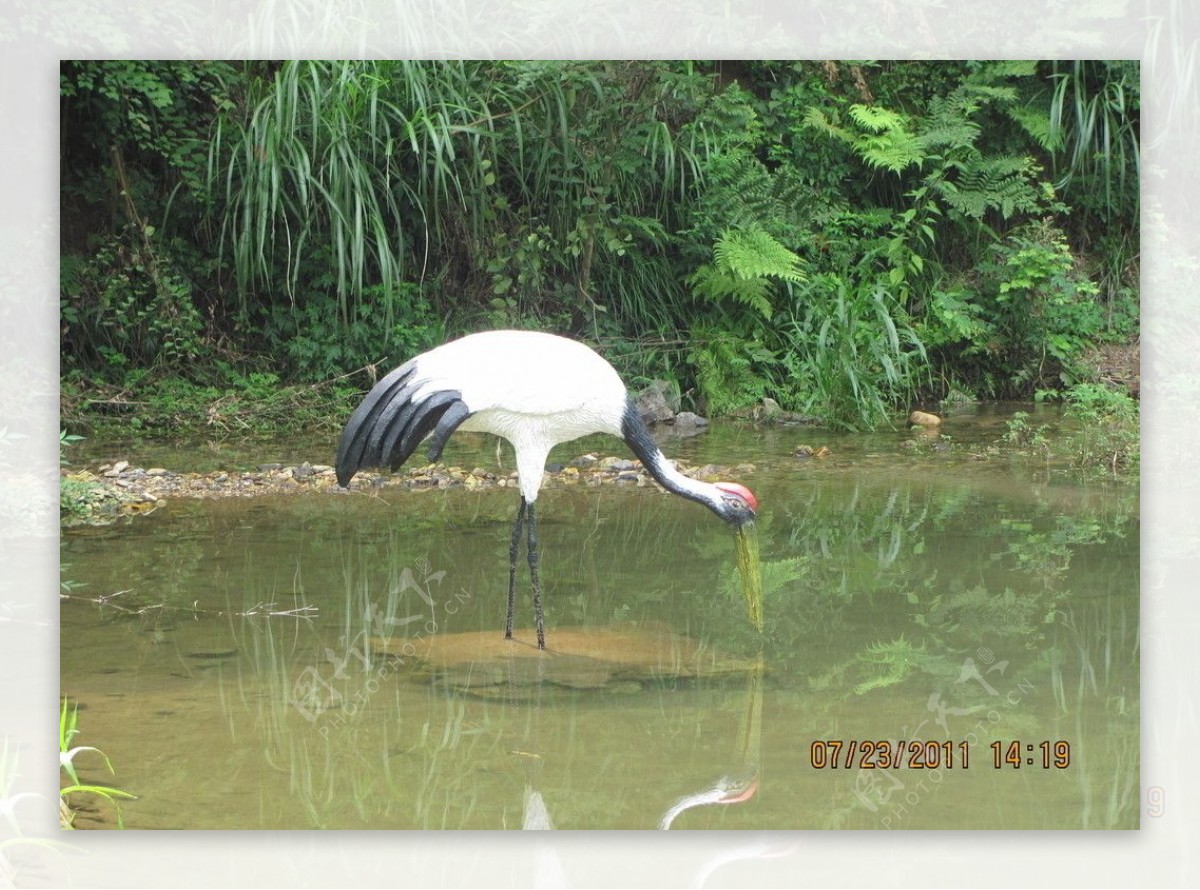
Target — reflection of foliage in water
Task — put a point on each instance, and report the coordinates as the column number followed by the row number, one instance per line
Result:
column 1093, row 666
column 880, row 665
column 940, row 564
column 342, row 765
column 1031, row 582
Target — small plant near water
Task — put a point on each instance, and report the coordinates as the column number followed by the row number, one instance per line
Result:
column 1103, row 432
column 65, row 439
column 68, row 728
column 1023, row 435
column 1108, row 437
column 75, row 498
column 229, row 401
column 74, row 495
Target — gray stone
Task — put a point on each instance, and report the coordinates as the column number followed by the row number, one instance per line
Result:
column 657, row 403
column 689, row 424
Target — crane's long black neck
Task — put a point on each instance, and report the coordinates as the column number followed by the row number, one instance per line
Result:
column 642, row 444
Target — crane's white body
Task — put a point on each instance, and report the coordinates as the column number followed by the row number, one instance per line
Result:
column 535, row 390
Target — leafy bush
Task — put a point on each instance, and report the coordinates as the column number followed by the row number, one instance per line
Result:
column 308, row 218
column 1041, row 314
column 387, row 327
column 129, row 305
column 853, row 355
column 1108, row 438
column 731, row 371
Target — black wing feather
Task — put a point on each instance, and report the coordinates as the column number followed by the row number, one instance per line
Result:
column 455, row 414
column 388, row 425
column 350, row 458
column 424, row 419
column 395, row 430
column 389, row 414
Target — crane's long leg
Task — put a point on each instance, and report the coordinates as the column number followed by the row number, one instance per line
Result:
column 539, row 620
column 513, row 549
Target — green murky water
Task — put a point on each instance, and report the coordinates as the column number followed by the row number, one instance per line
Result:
column 956, row 596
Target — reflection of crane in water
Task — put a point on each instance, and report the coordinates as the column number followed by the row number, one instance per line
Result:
column 535, row 816
column 738, row 786
column 735, row 787
column 741, row 785
column 548, row 870
column 726, row 790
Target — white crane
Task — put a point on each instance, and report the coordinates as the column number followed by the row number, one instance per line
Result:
column 535, row 390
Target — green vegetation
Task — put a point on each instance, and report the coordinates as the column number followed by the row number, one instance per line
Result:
column 66, row 439
column 74, row 495
column 1101, row 435
column 68, row 728
column 241, row 240
column 227, row 400
column 1108, row 436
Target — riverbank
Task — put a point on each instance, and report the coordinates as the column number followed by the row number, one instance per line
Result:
column 112, row 491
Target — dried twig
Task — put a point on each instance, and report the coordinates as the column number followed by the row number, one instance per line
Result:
column 268, row 609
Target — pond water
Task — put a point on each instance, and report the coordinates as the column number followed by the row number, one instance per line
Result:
column 916, row 592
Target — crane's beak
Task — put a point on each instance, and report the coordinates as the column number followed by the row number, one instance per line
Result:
column 746, row 545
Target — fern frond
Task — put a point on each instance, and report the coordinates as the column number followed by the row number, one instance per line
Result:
column 887, row 144
column 645, row 227
column 741, row 193
column 891, row 151
column 816, row 119
column 716, row 284
column 891, row 663
column 1036, row 123
column 990, row 71
column 876, row 119
column 950, row 133
column 753, row 253
column 744, row 262
column 990, row 91
column 1006, row 183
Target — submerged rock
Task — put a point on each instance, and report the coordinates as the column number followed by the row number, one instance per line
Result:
column 805, row 451
column 617, row 658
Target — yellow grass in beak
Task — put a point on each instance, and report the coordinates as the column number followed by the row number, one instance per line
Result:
column 746, row 544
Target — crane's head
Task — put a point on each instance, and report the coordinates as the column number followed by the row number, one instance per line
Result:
column 737, row 504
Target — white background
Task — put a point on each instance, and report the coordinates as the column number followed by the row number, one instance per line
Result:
column 35, row 35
